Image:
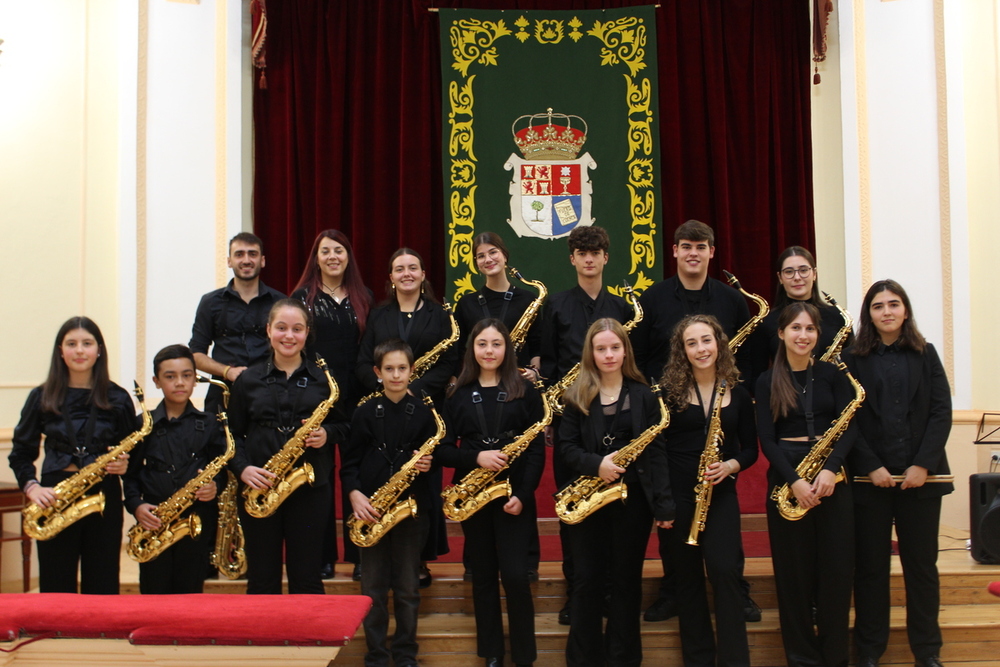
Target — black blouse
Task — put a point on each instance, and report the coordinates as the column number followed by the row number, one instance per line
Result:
column 95, row 429
column 488, row 303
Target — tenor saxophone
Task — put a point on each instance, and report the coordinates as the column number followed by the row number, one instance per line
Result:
column 703, row 487
column 833, row 352
column 585, row 495
column 386, row 499
column 554, row 394
column 143, row 544
column 288, row 478
column 812, row 464
column 229, row 556
column 519, row 334
column 762, row 310
column 480, row 486
column 71, row 505
column 429, row 358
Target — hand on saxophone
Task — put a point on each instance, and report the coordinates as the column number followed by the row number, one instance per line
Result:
column 608, row 471
column 423, row 464
column 117, row 466
column 257, row 478
column 491, row 459
column 363, row 508
column 316, row 438
column 144, row 515
column 43, row 496
column 206, row 492
column 720, row 470
column 804, row 494
column 825, row 483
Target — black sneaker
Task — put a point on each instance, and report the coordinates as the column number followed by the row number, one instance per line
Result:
column 661, row 610
column 751, row 611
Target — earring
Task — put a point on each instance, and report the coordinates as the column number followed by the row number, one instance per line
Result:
column 393, row 289
column 380, row 380
column 422, row 286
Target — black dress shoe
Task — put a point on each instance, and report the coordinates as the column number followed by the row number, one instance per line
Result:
column 660, row 610
column 532, row 578
column 356, row 574
column 425, row 577
column 564, row 614
column 751, row 611
column 494, row 662
column 326, row 572
column 929, row 661
column 867, row 662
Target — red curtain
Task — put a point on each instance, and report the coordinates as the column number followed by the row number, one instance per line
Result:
column 348, row 132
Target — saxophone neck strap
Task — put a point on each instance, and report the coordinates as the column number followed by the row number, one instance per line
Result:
column 391, row 454
column 490, row 437
column 79, row 450
column 807, row 401
column 285, row 422
column 507, row 297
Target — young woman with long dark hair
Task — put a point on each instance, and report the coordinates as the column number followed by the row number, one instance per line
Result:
column 699, row 364
column 904, row 426
column 81, row 413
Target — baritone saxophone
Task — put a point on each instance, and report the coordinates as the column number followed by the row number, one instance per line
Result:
column 262, row 503
column 143, row 544
column 71, row 505
column 386, row 499
column 703, row 487
column 585, row 495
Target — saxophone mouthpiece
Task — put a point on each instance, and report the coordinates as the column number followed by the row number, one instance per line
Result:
column 320, row 361
column 138, row 391
column 628, row 286
column 731, row 279
column 830, row 299
column 426, row 398
column 517, row 274
column 446, row 305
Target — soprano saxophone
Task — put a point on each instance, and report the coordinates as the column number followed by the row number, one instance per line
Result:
column 833, row 352
column 71, row 505
column 229, row 556
column 143, row 544
column 762, row 310
column 555, row 393
column 480, row 486
column 519, row 334
column 429, row 358
column 703, row 487
column 585, row 495
column 386, row 499
column 288, row 478
column 813, row 462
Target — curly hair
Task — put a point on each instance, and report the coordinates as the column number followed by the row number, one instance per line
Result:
column 678, row 378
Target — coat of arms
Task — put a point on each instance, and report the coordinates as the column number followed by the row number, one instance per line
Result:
column 551, row 188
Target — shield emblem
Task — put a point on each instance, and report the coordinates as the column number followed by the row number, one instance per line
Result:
column 548, row 198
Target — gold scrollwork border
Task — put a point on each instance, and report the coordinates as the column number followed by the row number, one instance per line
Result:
column 624, row 42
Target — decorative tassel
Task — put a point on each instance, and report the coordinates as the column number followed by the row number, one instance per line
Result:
column 263, row 80
column 816, row 78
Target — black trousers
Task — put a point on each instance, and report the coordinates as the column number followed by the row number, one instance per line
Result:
column 610, row 543
column 181, row 568
column 814, row 565
column 93, row 544
column 296, row 528
column 719, row 553
column 917, row 521
column 499, row 542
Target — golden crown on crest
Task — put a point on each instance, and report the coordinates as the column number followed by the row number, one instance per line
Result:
column 540, row 139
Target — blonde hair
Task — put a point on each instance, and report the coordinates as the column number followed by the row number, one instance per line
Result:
column 582, row 392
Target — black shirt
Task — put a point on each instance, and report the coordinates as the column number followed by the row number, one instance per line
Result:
column 429, row 325
column 235, row 329
column 464, row 423
column 94, row 429
column 267, row 408
column 893, row 391
column 765, row 339
column 831, row 392
column 171, row 455
column 687, row 433
column 488, row 303
column 667, row 303
column 567, row 317
column 383, row 437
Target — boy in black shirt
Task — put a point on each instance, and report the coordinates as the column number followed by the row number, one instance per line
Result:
column 184, row 440
column 385, row 433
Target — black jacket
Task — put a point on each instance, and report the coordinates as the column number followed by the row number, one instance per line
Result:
column 929, row 419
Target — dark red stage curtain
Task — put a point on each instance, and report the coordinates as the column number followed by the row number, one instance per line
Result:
column 347, row 133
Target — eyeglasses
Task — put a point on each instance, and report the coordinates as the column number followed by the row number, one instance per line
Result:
column 492, row 254
column 803, row 271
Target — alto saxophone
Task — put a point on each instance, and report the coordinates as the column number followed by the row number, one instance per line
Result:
column 519, row 334
column 386, row 499
column 229, row 556
column 480, row 486
column 762, row 310
column 288, row 478
column 703, row 487
column 585, row 495
column 833, row 352
column 429, row 358
column 143, row 544
column 555, row 393
column 71, row 505
column 812, row 464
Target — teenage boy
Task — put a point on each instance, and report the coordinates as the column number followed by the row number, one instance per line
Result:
column 689, row 291
column 566, row 318
column 183, row 441
column 232, row 320
column 385, row 433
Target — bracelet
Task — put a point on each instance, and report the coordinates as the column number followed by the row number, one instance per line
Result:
column 225, row 373
column 29, row 484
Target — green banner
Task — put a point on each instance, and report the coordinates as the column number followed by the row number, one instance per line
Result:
column 549, row 123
